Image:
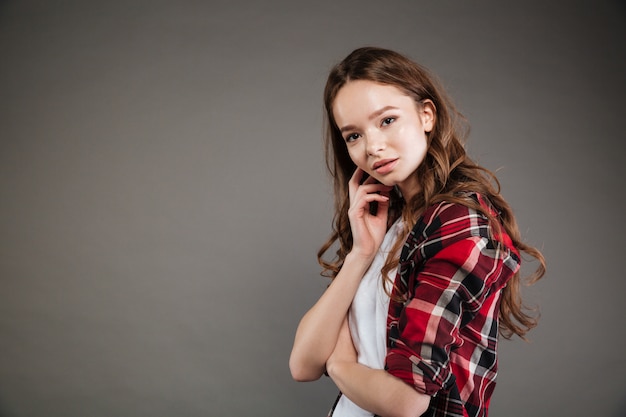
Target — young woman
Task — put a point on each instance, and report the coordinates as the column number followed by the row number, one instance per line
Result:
column 426, row 273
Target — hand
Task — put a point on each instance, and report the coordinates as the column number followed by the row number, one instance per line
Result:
column 375, row 390
column 368, row 230
column 344, row 349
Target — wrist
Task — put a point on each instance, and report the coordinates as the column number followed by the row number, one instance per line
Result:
column 359, row 258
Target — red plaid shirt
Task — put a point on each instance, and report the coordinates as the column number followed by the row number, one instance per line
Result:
column 443, row 340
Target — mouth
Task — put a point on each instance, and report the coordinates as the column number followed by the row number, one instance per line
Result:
column 385, row 165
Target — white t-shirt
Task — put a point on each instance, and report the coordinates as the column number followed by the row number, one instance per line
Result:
column 368, row 319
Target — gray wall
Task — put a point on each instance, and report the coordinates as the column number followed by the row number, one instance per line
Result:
column 162, row 194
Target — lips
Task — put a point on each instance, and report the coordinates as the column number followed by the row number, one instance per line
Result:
column 385, row 166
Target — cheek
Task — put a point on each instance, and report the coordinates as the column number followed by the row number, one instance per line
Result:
column 418, row 139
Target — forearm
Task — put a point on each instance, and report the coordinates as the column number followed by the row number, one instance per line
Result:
column 317, row 332
column 377, row 391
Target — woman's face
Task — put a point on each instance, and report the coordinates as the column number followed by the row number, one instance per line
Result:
column 385, row 131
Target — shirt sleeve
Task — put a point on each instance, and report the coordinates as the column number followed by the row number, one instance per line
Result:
column 448, row 267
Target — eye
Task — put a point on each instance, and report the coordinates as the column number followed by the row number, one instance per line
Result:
column 387, row 121
column 352, row 137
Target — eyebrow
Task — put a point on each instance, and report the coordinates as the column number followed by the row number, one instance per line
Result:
column 371, row 116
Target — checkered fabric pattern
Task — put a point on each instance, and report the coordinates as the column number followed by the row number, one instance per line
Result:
column 443, row 339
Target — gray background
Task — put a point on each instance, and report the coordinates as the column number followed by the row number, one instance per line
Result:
column 163, row 194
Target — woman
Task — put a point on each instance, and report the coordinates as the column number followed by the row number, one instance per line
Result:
column 426, row 274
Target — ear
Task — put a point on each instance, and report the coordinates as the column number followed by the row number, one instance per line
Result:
column 428, row 114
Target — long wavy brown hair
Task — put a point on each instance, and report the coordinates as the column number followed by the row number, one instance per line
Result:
column 445, row 174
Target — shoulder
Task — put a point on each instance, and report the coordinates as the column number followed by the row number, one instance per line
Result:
column 447, row 219
column 449, row 222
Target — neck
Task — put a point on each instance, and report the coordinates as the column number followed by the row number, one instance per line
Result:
column 408, row 191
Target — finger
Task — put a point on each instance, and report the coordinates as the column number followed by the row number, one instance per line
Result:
column 367, row 191
column 383, row 206
column 370, row 180
column 354, row 182
column 362, row 198
column 381, row 198
column 360, row 210
column 357, row 177
column 375, row 188
column 362, row 205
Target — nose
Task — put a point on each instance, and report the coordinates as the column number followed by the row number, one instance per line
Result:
column 375, row 143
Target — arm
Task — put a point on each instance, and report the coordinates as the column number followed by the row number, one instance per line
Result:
column 443, row 341
column 422, row 333
column 372, row 389
column 318, row 330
